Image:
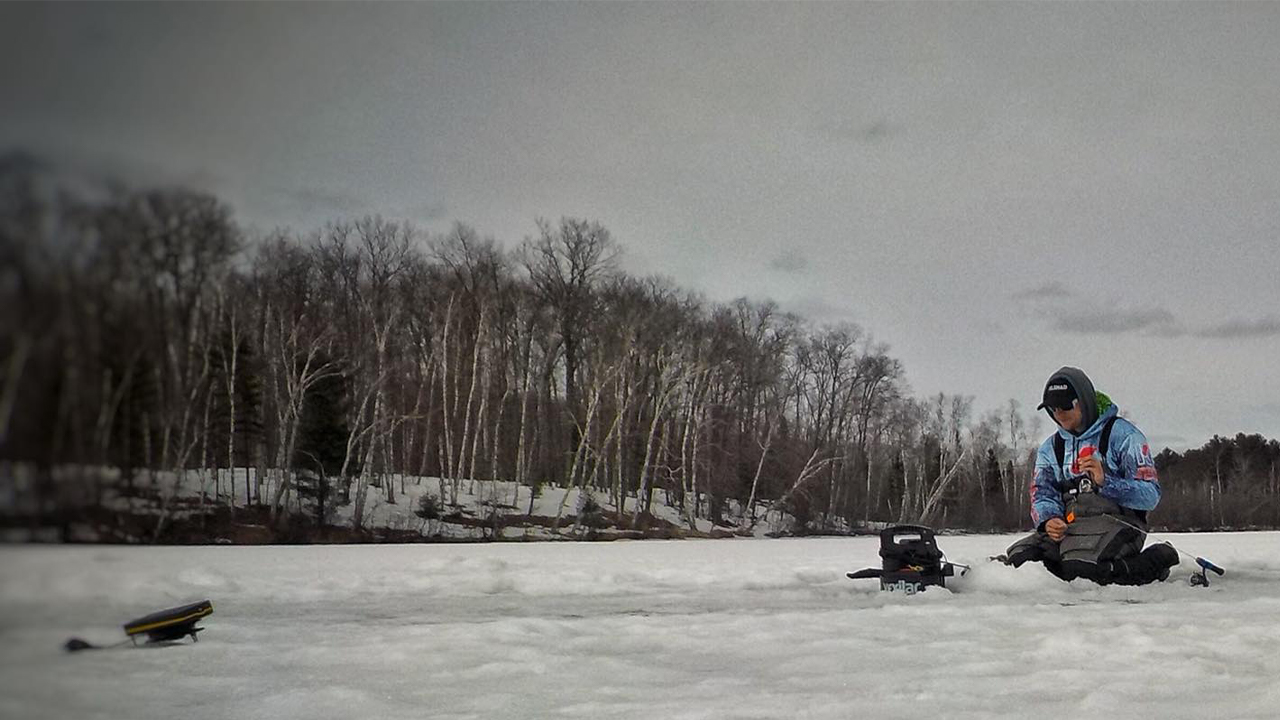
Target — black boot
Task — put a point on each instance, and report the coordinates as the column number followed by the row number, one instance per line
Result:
column 1162, row 556
column 1151, row 565
column 1036, row 547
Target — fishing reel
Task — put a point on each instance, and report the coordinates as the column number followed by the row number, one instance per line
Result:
column 1200, row 578
column 1078, row 485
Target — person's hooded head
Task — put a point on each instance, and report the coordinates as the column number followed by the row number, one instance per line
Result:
column 1064, row 388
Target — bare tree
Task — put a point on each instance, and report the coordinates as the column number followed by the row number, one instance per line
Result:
column 566, row 264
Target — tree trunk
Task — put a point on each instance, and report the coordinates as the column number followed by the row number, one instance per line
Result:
column 446, row 376
column 939, row 487
column 522, row 462
column 749, row 512
column 482, row 413
column 466, row 418
column 9, row 393
column 664, row 393
column 576, row 470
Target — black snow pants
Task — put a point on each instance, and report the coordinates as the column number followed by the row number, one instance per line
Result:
column 1105, row 547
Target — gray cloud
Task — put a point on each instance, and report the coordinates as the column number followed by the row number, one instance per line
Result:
column 878, row 130
column 1116, row 321
column 427, row 211
column 21, row 161
column 817, row 309
column 324, row 200
column 856, row 129
column 1177, row 442
column 341, row 204
column 95, row 176
column 1269, row 410
column 1067, row 311
column 790, row 262
column 1048, row 291
column 1010, row 141
column 1268, row 326
column 1160, row 322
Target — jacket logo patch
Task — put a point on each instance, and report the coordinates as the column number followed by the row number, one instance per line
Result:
column 1144, row 457
column 1085, row 451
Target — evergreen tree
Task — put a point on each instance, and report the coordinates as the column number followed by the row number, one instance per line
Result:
column 321, row 448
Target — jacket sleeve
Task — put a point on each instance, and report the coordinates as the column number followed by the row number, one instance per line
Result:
column 1046, row 500
column 1134, row 483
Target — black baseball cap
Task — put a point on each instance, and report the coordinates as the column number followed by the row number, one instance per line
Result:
column 1058, row 393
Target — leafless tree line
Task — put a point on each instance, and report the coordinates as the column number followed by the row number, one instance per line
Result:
column 145, row 333
column 1226, row 483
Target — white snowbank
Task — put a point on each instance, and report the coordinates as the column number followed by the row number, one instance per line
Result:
column 385, row 508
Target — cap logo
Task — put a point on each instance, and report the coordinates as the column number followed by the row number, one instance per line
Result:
column 1053, row 388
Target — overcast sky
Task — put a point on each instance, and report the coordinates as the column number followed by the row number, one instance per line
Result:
column 994, row 190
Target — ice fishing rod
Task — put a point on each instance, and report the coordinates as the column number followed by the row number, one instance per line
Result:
column 1198, row 579
column 1083, row 483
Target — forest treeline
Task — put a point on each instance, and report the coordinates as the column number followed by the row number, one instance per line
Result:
column 145, row 333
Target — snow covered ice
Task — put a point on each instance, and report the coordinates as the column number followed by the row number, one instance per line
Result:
column 743, row 628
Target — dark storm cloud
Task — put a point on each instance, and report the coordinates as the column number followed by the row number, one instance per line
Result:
column 98, row 177
column 19, row 161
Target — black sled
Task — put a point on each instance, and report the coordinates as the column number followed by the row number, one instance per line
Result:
column 165, row 626
column 910, row 561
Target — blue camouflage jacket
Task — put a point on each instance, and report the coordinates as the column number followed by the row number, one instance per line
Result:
column 1130, row 471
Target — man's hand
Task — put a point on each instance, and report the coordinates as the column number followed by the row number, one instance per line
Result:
column 1056, row 529
column 1092, row 465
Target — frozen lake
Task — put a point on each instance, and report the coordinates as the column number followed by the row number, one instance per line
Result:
column 681, row 629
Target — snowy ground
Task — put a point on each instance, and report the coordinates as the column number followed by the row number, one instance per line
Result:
column 19, row 497
column 550, row 502
column 740, row 628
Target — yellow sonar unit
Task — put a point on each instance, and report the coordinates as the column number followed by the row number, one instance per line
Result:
column 172, row 624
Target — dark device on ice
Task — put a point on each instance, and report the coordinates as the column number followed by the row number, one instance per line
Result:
column 910, row 561
column 172, row 624
column 165, row 626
